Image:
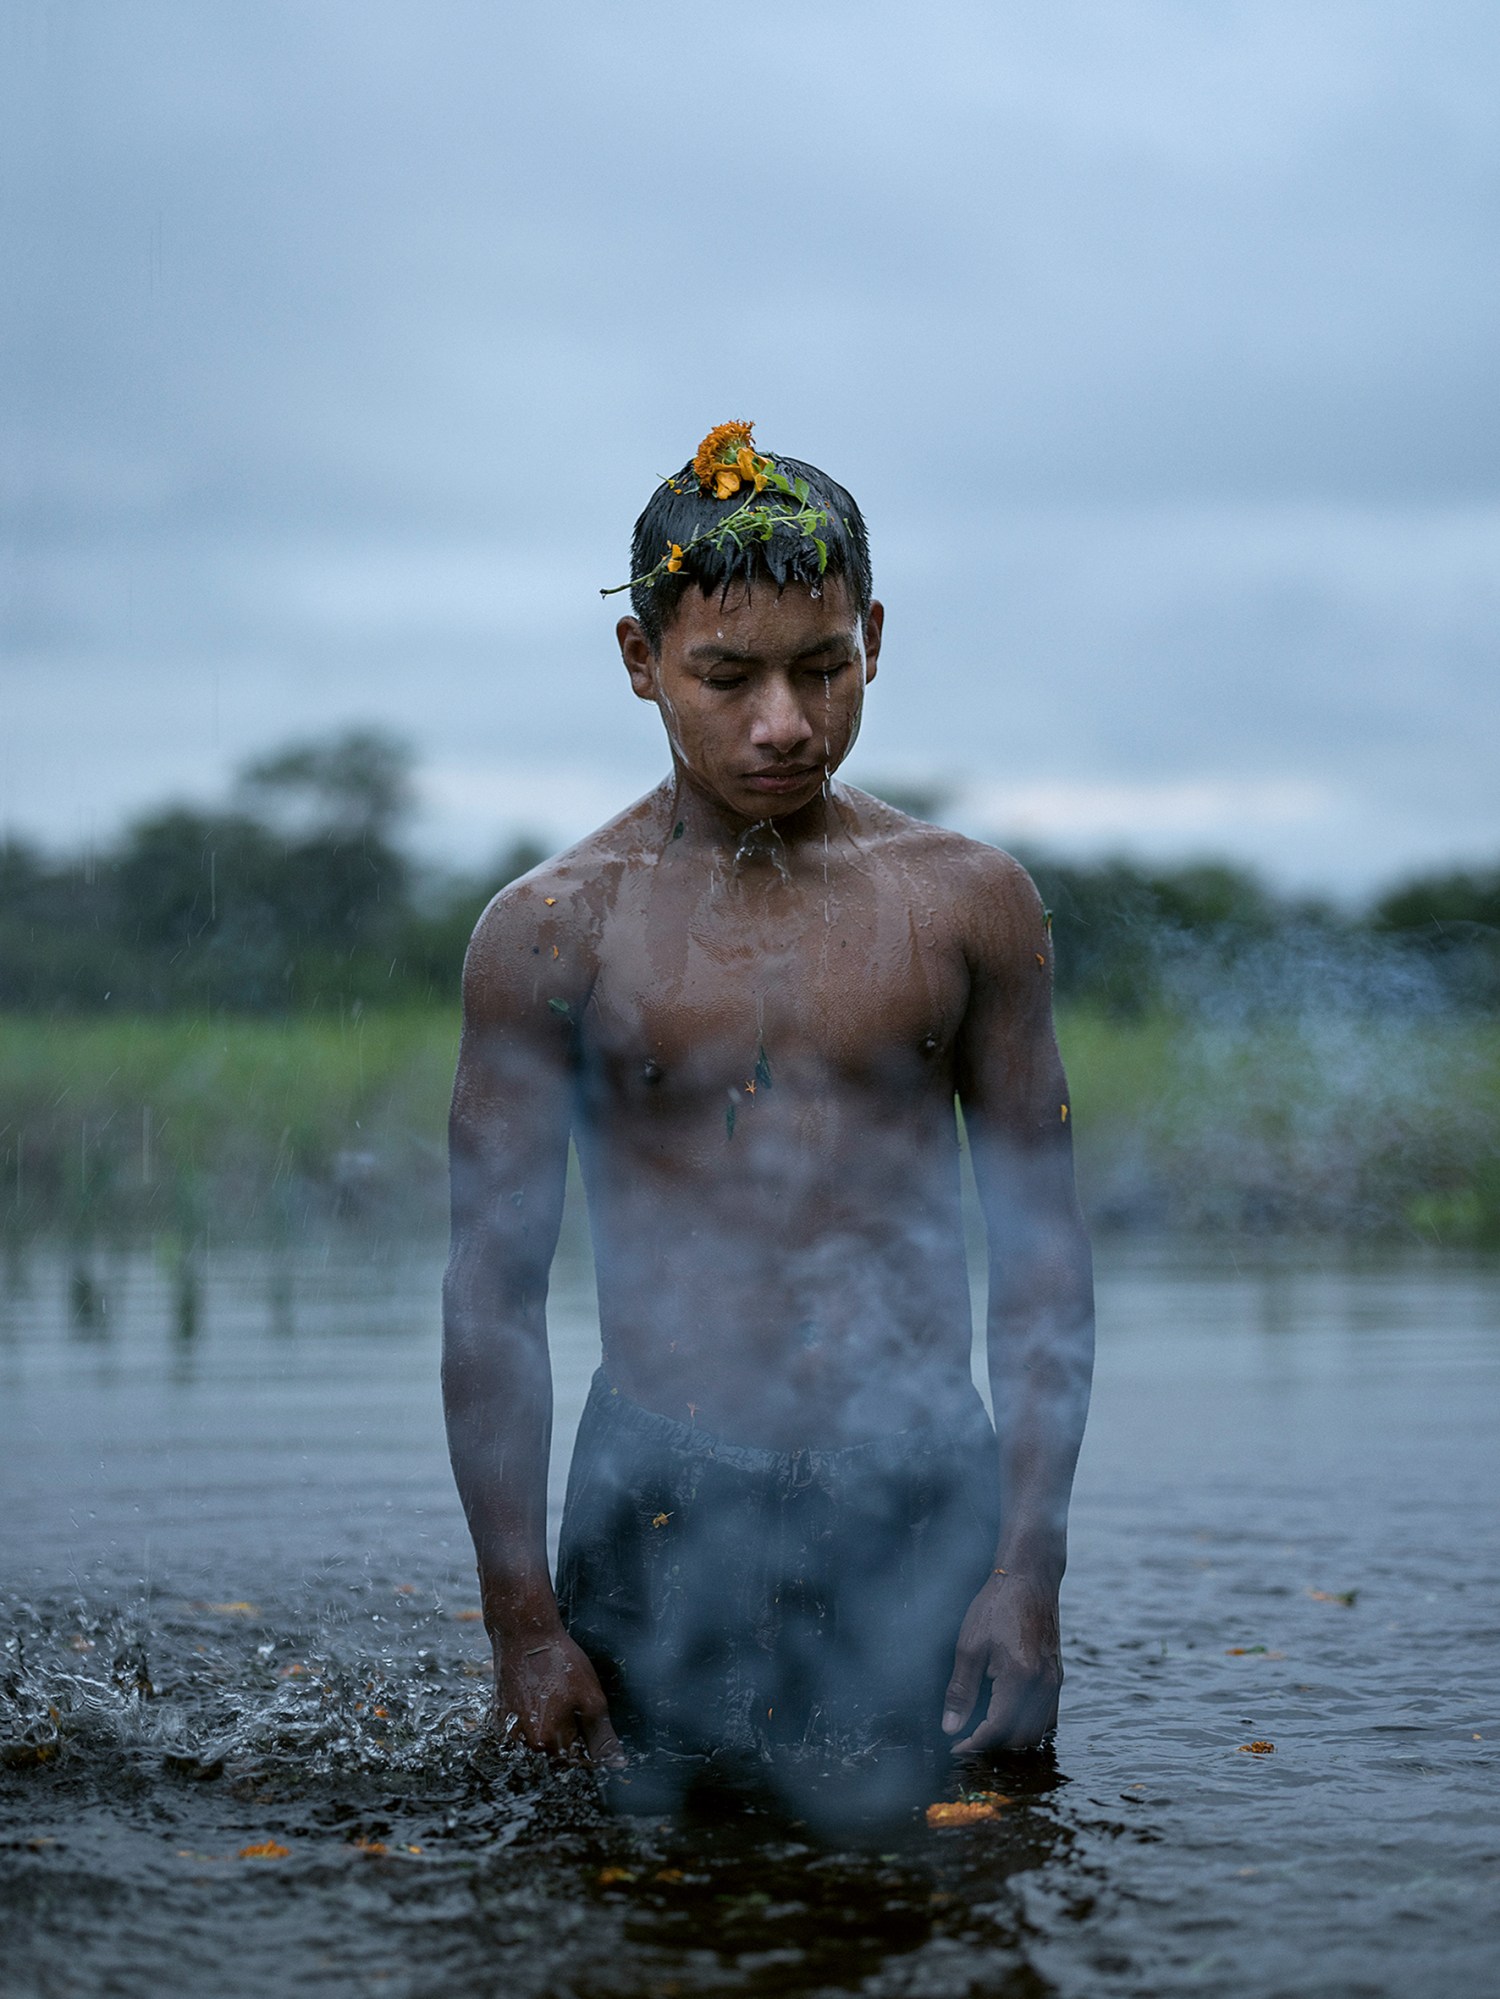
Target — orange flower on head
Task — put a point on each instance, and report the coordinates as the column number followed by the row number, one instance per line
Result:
column 716, row 462
column 674, row 559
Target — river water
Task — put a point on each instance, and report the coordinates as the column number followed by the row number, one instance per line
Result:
column 239, row 1614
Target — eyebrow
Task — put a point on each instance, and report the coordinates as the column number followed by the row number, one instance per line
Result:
column 710, row 654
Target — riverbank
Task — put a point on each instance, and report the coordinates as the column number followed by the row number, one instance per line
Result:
column 1331, row 1124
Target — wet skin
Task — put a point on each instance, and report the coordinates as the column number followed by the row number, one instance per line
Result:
column 752, row 1000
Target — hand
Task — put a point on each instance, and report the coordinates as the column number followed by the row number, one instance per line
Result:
column 548, row 1695
column 1010, row 1637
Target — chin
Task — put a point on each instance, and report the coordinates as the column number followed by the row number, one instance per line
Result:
column 778, row 804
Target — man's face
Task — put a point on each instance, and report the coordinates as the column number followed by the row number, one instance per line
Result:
column 761, row 692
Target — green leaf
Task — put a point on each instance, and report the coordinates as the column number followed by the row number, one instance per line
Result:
column 762, row 1069
column 560, row 1006
column 729, row 1116
column 799, row 487
column 822, row 548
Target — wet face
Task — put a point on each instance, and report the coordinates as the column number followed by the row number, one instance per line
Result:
column 761, row 692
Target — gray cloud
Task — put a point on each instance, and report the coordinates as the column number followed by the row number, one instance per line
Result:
column 1157, row 341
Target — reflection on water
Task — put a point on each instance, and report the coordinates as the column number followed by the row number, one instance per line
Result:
column 240, row 1615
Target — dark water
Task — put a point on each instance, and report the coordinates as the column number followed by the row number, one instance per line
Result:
column 239, row 1610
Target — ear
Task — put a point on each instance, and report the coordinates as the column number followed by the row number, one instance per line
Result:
column 640, row 661
column 874, row 630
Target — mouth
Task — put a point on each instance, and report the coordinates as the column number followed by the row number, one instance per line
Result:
column 784, row 778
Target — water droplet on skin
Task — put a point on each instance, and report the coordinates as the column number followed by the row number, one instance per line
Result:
column 763, row 839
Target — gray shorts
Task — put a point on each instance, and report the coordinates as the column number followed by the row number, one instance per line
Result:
column 736, row 1602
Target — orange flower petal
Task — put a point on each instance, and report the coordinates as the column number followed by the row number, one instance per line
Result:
column 967, row 1811
column 720, row 447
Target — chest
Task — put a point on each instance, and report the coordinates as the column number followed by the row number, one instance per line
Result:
column 850, row 980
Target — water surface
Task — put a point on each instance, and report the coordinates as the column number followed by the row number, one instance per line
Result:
column 240, row 1613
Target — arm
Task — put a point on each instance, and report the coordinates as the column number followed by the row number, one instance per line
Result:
column 1041, row 1312
column 508, row 1147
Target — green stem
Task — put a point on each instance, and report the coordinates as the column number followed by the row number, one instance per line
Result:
column 807, row 519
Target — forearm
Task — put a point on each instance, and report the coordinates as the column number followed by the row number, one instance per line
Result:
column 1041, row 1351
column 497, row 1401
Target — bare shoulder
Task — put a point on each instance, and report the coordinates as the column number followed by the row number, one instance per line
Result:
column 537, row 942
column 983, row 893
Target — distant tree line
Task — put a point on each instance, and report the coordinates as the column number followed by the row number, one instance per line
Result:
column 301, row 893
column 1209, row 936
column 298, row 894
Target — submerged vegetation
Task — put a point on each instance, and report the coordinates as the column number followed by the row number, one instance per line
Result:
column 240, row 1019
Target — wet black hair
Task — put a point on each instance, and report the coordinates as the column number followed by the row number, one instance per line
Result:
column 678, row 510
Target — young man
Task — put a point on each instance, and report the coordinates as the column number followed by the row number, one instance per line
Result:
column 752, row 1000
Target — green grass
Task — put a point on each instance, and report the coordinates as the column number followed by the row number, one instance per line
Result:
column 242, row 1125
column 242, row 1121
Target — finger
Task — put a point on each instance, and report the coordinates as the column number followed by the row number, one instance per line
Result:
column 994, row 1730
column 565, row 1745
column 601, row 1742
column 519, row 1731
column 963, row 1690
column 1013, row 1722
column 1036, row 1714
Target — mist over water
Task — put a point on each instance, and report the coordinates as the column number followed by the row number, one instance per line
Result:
column 239, row 1614
column 1318, row 1081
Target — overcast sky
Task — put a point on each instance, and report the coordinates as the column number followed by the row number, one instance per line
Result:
column 343, row 342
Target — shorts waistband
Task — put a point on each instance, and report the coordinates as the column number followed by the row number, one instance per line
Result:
column 969, row 1424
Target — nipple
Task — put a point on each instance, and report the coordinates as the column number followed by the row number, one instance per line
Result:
column 651, row 1073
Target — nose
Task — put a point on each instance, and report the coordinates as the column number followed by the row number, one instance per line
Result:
column 779, row 725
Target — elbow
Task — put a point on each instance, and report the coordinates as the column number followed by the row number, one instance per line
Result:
column 494, row 1329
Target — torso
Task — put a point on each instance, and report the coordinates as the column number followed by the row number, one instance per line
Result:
column 766, row 1125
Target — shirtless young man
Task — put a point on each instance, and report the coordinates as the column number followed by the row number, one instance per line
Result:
column 752, row 1000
